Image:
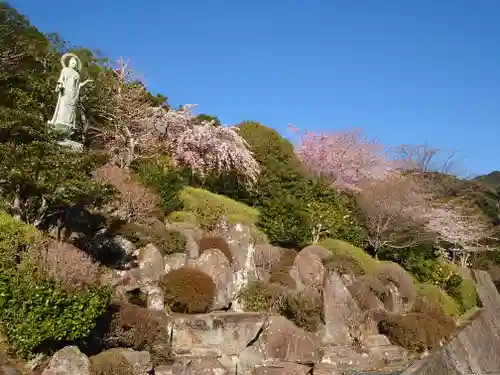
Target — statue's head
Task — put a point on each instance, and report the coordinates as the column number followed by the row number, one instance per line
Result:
column 73, row 63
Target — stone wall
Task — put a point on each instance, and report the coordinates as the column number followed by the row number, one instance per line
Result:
column 476, row 349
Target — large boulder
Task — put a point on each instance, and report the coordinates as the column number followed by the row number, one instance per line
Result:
column 308, row 270
column 174, row 261
column 280, row 340
column 215, row 264
column 242, row 340
column 151, row 263
column 340, row 311
column 69, row 360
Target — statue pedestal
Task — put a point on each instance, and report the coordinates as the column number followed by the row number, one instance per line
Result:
column 74, row 146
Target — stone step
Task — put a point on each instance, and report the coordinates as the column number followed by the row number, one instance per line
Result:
column 376, row 340
column 388, row 353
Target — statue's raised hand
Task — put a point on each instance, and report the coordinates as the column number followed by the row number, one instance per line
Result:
column 86, row 82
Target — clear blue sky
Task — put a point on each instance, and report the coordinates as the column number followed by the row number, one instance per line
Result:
column 402, row 70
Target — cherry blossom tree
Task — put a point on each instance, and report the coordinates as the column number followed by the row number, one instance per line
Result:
column 464, row 231
column 135, row 128
column 346, row 158
column 394, row 212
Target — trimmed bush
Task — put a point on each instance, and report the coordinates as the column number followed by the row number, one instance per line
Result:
column 344, row 264
column 16, row 238
column 38, row 311
column 280, row 273
column 285, row 222
column 429, row 294
column 135, row 327
column 209, row 207
column 261, row 297
column 167, row 241
column 69, row 265
column 183, row 216
column 416, row 331
column 26, row 301
column 305, row 310
column 338, row 247
column 188, row 290
column 110, row 362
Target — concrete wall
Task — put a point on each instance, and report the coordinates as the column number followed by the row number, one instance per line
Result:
column 476, row 349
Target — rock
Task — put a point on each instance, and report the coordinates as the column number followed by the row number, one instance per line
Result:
column 393, row 301
column 151, row 263
column 345, row 358
column 127, row 246
column 69, row 360
column 282, row 368
column 267, row 256
column 340, row 311
column 155, row 298
column 389, row 354
column 220, row 332
column 325, row 369
column 240, row 241
column 242, row 277
column 308, row 270
column 320, row 251
column 196, row 366
column 215, row 264
column 8, row 370
column 263, row 274
column 280, row 340
column 376, row 340
column 173, row 262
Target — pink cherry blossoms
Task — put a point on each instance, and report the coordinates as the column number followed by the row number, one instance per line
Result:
column 346, row 158
column 203, row 147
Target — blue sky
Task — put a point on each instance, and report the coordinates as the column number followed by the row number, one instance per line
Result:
column 405, row 71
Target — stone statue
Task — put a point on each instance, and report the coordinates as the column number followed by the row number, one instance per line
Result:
column 68, row 89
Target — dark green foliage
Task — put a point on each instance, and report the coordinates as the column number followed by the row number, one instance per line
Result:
column 167, row 241
column 285, row 222
column 37, row 311
column 161, row 177
column 421, row 261
column 188, row 290
column 203, row 117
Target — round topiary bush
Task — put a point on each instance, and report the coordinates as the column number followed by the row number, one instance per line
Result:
column 188, row 290
column 416, row 331
column 344, row 264
column 110, row 362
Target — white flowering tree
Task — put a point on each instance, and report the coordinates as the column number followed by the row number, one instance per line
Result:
column 464, row 232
